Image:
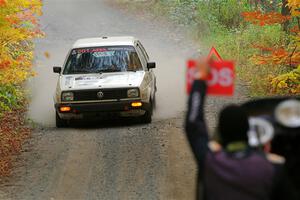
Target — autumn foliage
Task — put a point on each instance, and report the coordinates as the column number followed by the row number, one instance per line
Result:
column 287, row 55
column 18, row 27
column 294, row 7
column 262, row 19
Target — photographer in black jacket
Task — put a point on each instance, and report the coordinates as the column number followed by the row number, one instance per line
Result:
column 235, row 171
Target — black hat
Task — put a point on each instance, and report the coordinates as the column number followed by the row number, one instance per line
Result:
column 233, row 124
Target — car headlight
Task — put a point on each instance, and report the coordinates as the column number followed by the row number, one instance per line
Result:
column 67, row 96
column 287, row 113
column 131, row 93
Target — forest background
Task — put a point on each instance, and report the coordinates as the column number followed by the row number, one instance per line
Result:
column 262, row 36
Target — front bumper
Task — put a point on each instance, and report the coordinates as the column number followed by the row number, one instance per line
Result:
column 121, row 108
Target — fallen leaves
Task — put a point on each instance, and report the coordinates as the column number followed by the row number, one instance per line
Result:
column 13, row 132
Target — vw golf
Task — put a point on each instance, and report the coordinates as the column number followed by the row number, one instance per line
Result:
column 105, row 75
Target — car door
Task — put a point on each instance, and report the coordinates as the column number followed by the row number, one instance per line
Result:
column 149, row 75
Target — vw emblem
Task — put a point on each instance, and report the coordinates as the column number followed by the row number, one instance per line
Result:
column 100, row 95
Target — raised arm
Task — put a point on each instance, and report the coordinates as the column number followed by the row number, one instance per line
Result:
column 195, row 125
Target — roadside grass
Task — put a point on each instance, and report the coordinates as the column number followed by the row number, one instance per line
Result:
column 222, row 27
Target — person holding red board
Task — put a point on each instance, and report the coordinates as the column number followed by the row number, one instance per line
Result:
column 234, row 171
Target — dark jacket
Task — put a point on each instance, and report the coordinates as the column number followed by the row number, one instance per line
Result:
column 240, row 175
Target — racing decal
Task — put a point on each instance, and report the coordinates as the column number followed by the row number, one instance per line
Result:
column 121, row 49
column 90, row 50
column 87, row 80
column 102, row 49
column 68, row 80
column 103, row 54
column 83, row 78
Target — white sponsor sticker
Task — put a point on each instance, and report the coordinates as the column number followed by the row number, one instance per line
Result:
column 103, row 54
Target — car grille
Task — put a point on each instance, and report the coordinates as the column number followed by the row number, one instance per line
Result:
column 108, row 94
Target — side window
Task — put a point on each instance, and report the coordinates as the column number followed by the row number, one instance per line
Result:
column 134, row 62
column 141, row 55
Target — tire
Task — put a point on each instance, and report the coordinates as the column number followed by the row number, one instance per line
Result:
column 60, row 123
column 154, row 105
column 147, row 117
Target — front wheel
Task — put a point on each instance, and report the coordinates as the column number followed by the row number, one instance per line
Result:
column 147, row 117
column 60, row 123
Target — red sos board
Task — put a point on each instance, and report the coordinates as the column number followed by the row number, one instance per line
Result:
column 220, row 80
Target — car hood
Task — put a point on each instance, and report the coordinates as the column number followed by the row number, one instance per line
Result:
column 104, row 80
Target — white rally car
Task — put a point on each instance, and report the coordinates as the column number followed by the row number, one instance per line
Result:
column 105, row 75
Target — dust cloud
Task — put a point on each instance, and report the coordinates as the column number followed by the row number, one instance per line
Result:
column 170, row 94
column 42, row 87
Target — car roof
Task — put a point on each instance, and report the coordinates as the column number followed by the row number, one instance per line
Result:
column 105, row 41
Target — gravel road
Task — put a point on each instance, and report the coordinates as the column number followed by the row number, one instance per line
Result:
column 111, row 160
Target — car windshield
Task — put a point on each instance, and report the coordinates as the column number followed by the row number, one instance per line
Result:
column 102, row 59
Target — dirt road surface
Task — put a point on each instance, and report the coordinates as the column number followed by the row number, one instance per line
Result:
column 107, row 161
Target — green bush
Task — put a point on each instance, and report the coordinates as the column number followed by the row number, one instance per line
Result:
column 213, row 12
column 226, row 13
column 11, row 96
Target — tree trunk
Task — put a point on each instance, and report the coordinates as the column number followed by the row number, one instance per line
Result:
column 285, row 11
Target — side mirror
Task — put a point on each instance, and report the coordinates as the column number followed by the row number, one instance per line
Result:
column 57, row 69
column 151, row 65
